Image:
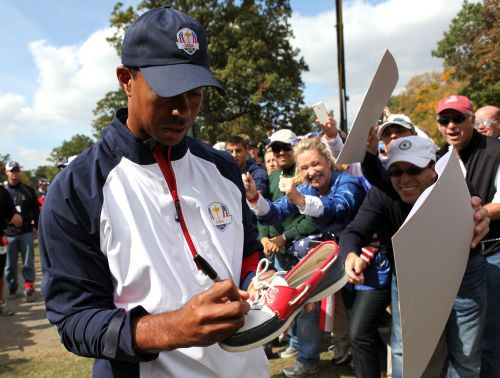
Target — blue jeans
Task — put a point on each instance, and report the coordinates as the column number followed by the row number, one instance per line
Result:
column 490, row 362
column 23, row 244
column 308, row 335
column 464, row 327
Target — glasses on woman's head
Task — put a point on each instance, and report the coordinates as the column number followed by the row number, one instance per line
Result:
column 444, row 121
column 278, row 147
column 412, row 171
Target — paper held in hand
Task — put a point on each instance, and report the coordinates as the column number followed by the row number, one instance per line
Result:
column 373, row 104
column 431, row 249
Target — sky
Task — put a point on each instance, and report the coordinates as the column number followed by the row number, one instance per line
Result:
column 56, row 64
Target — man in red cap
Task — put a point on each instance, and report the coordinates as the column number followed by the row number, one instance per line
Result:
column 480, row 158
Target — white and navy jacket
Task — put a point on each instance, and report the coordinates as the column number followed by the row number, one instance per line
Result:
column 112, row 250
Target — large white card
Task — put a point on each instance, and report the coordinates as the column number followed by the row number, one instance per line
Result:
column 376, row 98
column 430, row 252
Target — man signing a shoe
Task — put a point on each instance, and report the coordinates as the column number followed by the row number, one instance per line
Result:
column 142, row 260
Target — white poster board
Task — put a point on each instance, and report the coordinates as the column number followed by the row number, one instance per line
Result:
column 376, row 98
column 431, row 250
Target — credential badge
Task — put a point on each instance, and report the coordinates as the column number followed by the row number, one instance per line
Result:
column 187, row 40
column 219, row 213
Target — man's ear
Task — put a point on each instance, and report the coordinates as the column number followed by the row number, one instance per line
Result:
column 434, row 173
column 125, row 79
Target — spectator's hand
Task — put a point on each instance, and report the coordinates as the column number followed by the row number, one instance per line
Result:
column 308, row 308
column 207, row 318
column 482, row 220
column 17, row 220
column 329, row 128
column 372, row 142
column 250, row 187
column 269, row 246
column 278, row 241
column 287, row 186
column 354, row 267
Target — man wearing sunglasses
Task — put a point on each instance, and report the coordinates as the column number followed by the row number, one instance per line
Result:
column 411, row 169
column 480, row 159
column 488, row 121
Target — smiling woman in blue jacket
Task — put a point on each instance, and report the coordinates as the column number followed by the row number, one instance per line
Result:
column 330, row 197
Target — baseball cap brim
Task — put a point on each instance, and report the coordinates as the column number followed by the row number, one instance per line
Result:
column 415, row 160
column 387, row 124
column 172, row 80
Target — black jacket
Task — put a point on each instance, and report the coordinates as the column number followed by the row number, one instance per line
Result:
column 481, row 158
column 7, row 209
column 25, row 200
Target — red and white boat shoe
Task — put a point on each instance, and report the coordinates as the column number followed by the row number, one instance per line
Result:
column 280, row 298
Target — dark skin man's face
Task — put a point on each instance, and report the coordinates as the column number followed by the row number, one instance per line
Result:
column 165, row 119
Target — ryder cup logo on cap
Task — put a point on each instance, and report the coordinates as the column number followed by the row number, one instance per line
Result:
column 170, row 49
column 187, row 41
column 413, row 149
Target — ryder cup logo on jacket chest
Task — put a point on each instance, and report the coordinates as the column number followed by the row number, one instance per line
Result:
column 187, row 41
column 219, row 213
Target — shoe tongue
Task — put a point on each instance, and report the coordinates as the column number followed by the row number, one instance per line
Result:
column 279, row 281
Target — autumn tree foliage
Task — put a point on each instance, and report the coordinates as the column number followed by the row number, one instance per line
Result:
column 471, row 50
column 420, row 97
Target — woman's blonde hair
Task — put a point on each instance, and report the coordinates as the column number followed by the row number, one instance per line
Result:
column 312, row 144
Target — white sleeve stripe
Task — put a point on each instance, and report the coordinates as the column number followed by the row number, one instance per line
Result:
column 313, row 206
column 261, row 207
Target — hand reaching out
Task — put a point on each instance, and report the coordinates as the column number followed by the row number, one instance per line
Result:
column 287, row 186
column 250, row 187
column 329, row 128
column 372, row 142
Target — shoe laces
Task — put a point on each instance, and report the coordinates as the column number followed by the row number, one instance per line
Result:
column 263, row 285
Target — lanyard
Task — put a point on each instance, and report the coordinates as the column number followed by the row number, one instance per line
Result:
column 168, row 173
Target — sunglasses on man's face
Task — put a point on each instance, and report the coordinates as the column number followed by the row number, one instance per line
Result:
column 444, row 121
column 276, row 148
column 412, row 171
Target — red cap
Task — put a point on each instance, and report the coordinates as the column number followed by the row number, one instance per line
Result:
column 459, row 103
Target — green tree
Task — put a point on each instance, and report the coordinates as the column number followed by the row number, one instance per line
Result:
column 470, row 49
column 44, row 171
column 74, row 146
column 251, row 54
column 105, row 110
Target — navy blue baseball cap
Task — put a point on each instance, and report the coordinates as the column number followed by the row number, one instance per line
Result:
column 170, row 48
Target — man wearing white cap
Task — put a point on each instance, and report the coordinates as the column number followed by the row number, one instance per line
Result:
column 411, row 169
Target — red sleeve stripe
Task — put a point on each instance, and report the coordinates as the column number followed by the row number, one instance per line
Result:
column 367, row 253
column 249, row 264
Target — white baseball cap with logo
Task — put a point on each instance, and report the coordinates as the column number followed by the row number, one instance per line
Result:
column 413, row 149
column 282, row 136
column 399, row 120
